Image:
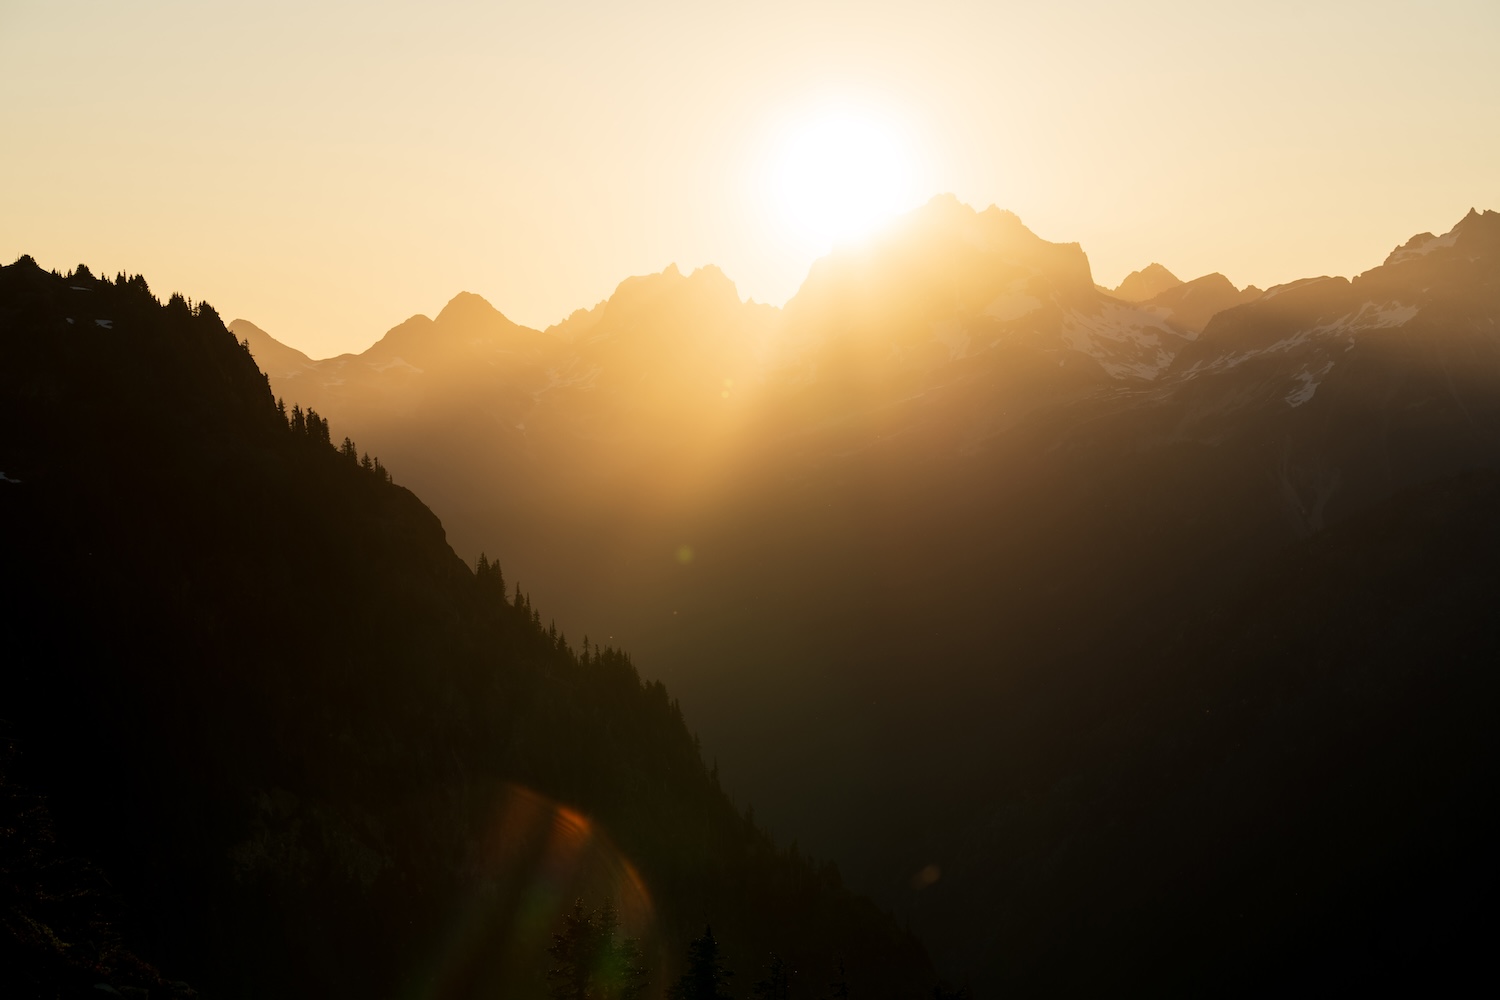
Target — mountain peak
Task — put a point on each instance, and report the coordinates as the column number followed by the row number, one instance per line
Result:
column 707, row 280
column 467, row 307
column 1471, row 226
column 1193, row 303
column 990, row 228
column 273, row 357
column 1477, row 220
column 1147, row 283
column 467, row 318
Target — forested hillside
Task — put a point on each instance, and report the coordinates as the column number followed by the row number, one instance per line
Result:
column 309, row 749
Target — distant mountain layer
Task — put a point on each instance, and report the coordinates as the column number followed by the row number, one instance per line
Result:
column 1192, row 304
column 303, row 748
column 272, row 356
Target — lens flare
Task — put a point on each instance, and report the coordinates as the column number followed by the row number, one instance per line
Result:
column 528, row 863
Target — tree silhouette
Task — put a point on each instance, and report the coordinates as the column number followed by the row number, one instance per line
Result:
column 839, row 988
column 777, row 983
column 489, row 576
column 593, row 963
column 705, row 977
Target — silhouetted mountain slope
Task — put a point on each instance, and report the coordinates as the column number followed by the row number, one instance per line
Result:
column 1343, row 744
column 60, row 918
column 949, row 533
column 1288, row 792
column 312, row 751
column 1320, row 402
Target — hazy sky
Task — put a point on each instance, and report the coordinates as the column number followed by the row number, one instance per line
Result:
column 328, row 169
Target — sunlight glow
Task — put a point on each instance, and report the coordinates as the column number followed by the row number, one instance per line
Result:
column 840, row 174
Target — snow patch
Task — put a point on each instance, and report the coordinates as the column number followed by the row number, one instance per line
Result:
column 1390, row 314
column 1424, row 248
column 108, row 324
column 382, row 366
column 1370, row 316
column 1126, row 342
column 80, row 288
column 1310, row 381
column 6, row 479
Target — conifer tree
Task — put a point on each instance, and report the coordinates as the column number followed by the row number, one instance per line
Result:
column 839, row 988
column 777, row 983
column 593, row 961
column 573, row 949
column 705, row 977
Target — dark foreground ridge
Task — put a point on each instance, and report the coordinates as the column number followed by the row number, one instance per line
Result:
column 268, row 736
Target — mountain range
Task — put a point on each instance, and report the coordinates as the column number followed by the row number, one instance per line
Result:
column 905, row 544
column 1119, row 640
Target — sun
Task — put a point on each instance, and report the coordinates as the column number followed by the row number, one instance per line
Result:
column 839, row 174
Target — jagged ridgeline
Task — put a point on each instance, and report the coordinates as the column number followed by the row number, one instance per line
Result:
column 311, row 751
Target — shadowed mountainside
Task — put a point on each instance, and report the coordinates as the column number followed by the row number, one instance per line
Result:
column 961, row 514
column 311, row 750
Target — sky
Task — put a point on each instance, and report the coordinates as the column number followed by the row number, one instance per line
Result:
column 326, row 170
